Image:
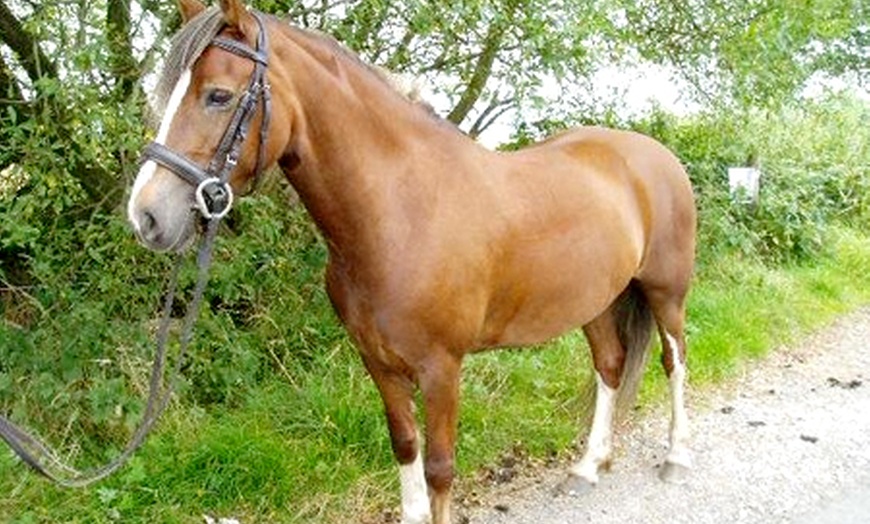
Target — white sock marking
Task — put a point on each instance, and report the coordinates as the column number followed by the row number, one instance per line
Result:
column 679, row 451
column 146, row 172
column 599, row 444
column 415, row 496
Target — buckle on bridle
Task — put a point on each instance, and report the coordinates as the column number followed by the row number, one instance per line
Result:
column 214, row 198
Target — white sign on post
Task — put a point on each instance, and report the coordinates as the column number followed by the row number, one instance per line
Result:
column 744, row 183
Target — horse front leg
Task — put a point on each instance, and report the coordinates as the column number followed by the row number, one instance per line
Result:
column 439, row 383
column 397, row 391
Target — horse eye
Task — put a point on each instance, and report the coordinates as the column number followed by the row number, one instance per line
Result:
column 218, row 98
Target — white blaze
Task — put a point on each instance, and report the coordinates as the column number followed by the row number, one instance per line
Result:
column 146, row 172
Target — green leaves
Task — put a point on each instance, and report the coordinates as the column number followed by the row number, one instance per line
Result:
column 756, row 53
column 814, row 160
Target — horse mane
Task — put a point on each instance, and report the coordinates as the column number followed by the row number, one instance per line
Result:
column 195, row 36
column 408, row 86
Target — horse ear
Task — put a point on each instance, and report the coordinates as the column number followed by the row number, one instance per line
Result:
column 237, row 16
column 189, row 9
column 235, row 13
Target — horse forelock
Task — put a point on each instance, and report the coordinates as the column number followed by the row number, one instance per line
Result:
column 187, row 44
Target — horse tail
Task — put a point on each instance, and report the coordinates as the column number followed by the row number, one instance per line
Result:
column 634, row 323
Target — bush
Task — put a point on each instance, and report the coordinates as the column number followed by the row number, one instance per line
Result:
column 76, row 343
column 815, row 163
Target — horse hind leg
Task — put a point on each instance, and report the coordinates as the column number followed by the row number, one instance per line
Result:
column 608, row 358
column 669, row 312
column 618, row 339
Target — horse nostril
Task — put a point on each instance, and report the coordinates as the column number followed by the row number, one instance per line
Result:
column 148, row 222
column 148, row 228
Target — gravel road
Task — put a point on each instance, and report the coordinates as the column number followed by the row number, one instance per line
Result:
column 789, row 441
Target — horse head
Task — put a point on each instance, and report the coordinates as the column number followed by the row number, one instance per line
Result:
column 215, row 101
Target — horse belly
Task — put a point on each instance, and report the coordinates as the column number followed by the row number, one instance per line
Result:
column 552, row 289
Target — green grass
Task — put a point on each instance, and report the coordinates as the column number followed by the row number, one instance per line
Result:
column 310, row 445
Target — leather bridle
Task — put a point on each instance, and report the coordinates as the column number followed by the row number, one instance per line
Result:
column 214, row 196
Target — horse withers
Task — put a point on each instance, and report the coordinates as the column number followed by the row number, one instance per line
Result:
column 437, row 247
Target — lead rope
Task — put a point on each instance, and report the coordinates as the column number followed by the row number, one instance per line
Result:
column 45, row 462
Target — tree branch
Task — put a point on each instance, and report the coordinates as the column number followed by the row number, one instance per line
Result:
column 32, row 58
column 400, row 55
column 482, row 71
column 496, row 108
column 118, row 31
column 10, row 92
column 11, row 99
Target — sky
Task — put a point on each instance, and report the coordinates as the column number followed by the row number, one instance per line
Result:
column 634, row 89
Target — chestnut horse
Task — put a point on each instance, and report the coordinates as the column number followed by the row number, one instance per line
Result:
column 437, row 246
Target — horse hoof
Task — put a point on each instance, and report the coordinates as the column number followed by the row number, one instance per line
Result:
column 674, row 473
column 573, row 486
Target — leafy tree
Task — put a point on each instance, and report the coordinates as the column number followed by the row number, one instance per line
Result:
column 483, row 57
column 751, row 52
column 68, row 72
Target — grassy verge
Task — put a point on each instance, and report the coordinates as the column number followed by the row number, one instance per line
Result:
column 311, row 446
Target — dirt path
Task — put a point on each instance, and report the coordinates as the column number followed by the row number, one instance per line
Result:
column 787, row 442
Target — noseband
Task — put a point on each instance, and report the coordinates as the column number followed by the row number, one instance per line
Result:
column 214, row 196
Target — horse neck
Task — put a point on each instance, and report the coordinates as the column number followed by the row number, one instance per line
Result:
column 354, row 137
